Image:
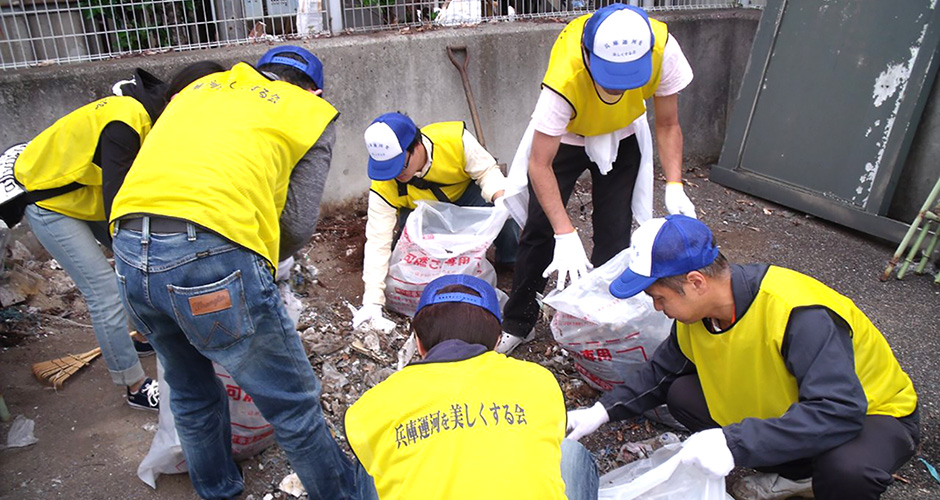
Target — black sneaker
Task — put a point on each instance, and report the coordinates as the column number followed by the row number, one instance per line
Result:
column 143, row 349
column 147, row 397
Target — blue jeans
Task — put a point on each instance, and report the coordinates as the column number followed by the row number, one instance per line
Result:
column 506, row 242
column 199, row 298
column 74, row 244
column 578, row 471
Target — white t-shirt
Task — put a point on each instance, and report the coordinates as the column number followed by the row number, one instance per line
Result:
column 552, row 112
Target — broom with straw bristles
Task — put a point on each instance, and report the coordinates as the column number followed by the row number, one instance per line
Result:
column 55, row 371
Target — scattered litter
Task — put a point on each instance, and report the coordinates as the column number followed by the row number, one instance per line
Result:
column 320, row 342
column 643, row 449
column 291, row 485
column 151, row 426
column 931, row 469
column 21, row 433
column 332, row 377
column 268, row 497
column 291, row 302
column 407, row 351
column 373, row 354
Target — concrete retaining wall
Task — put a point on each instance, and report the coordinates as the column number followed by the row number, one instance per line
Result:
column 367, row 75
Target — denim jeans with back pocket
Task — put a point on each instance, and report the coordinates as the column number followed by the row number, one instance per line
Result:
column 199, row 298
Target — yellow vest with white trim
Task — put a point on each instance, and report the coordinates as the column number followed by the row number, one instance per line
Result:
column 458, row 430
column 222, row 154
column 64, row 153
column 448, row 163
column 743, row 373
column 568, row 76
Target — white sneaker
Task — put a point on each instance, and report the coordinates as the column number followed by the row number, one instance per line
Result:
column 508, row 342
column 769, row 486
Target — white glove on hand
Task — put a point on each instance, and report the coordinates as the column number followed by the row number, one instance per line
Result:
column 365, row 314
column 570, row 260
column 585, row 421
column 283, row 269
column 708, row 450
column 676, row 200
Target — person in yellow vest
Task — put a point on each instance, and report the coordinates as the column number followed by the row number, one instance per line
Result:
column 434, row 429
column 591, row 115
column 227, row 185
column 770, row 368
column 64, row 171
column 441, row 161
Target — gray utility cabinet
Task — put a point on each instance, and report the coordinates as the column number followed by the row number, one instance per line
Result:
column 829, row 106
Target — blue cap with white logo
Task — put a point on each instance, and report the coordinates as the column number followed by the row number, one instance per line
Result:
column 387, row 139
column 660, row 248
column 619, row 41
column 487, row 299
column 311, row 66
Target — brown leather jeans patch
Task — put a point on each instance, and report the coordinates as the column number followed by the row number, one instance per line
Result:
column 210, row 302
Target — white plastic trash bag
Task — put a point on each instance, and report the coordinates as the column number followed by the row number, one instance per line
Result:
column 309, row 17
column 456, row 12
column 251, row 433
column 440, row 239
column 609, row 338
column 661, row 477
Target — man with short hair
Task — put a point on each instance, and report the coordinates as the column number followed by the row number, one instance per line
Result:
column 440, row 161
column 591, row 116
column 770, row 368
column 449, row 426
column 226, row 186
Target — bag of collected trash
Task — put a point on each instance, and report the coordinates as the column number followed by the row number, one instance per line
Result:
column 309, row 17
column 661, row 477
column 251, row 433
column 456, row 12
column 608, row 337
column 440, row 239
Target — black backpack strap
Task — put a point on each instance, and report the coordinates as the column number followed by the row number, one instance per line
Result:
column 434, row 187
column 45, row 194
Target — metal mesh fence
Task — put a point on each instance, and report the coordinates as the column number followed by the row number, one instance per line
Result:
column 41, row 32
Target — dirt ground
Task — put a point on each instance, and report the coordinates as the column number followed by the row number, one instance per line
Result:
column 90, row 442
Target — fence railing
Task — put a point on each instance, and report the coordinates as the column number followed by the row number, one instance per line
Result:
column 43, row 32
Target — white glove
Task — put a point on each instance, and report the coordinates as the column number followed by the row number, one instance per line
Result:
column 283, row 269
column 585, row 421
column 570, row 260
column 709, row 451
column 366, row 313
column 677, row 202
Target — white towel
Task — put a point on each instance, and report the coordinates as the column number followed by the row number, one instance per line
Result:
column 602, row 150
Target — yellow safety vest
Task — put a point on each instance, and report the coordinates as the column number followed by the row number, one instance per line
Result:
column 64, row 153
column 222, row 154
column 568, row 76
column 447, row 169
column 458, row 430
column 744, row 375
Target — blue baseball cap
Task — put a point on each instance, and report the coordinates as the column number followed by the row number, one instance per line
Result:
column 387, row 139
column 619, row 42
column 487, row 299
column 666, row 247
column 311, row 66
